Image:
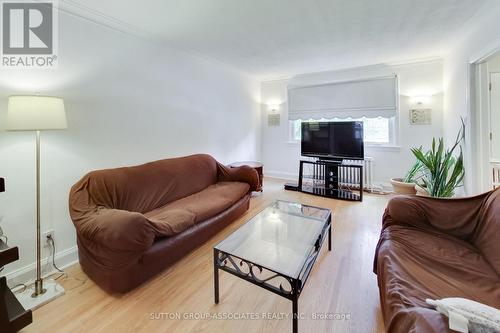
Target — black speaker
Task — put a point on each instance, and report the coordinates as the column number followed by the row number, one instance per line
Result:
column 2, row 185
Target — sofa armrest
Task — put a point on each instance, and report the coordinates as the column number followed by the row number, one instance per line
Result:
column 115, row 229
column 457, row 217
column 244, row 174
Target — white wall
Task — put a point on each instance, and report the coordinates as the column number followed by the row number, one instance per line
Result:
column 281, row 158
column 128, row 101
column 494, row 63
column 479, row 37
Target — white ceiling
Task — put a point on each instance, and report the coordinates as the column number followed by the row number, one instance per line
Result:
column 276, row 38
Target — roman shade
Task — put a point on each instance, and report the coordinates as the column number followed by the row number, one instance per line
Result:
column 371, row 98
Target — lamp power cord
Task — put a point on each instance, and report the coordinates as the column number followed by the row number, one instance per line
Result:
column 51, row 241
column 61, row 272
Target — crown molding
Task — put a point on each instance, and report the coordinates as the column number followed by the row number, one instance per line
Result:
column 75, row 8
column 369, row 67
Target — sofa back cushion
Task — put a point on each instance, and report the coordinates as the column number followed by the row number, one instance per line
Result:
column 487, row 235
column 148, row 186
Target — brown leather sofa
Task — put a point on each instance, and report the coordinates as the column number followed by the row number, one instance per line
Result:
column 437, row 248
column 133, row 222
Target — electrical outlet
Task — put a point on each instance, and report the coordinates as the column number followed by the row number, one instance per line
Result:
column 45, row 238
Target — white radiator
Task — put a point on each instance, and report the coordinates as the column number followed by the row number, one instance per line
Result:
column 350, row 179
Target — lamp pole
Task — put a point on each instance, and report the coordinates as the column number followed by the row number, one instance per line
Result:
column 36, row 114
column 38, row 282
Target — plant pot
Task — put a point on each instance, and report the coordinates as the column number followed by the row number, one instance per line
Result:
column 421, row 191
column 401, row 187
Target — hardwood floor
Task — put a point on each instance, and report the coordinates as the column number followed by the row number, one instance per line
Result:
column 342, row 282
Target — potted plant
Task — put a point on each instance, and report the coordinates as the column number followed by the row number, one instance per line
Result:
column 442, row 172
column 407, row 184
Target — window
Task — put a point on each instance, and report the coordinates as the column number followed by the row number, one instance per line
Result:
column 377, row 131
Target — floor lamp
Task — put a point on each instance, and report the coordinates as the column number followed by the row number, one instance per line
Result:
column 37, row 113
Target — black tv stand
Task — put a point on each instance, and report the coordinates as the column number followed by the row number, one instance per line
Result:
column 330, row 160
column 330, row 178
column 291, row 186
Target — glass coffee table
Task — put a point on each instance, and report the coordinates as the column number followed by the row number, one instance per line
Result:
column 276, row 249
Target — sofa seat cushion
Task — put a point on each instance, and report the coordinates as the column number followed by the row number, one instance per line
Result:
column 179, row 215
column 414, row 264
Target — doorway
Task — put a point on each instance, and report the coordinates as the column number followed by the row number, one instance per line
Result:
column 494, row 89
column 485, row 93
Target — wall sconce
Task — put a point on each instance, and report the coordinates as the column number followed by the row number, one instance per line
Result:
column 420, row 112
column 273, row 117
column 273, row 107
column 421, row 100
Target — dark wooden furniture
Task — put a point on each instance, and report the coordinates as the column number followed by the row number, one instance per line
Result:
column 13, row 317
column 259, row 167
column 332, row 179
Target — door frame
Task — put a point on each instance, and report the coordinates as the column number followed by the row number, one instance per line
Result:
column 490, row 122
column 478, row 152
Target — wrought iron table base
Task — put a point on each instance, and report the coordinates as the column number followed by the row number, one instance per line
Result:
column 289, row 288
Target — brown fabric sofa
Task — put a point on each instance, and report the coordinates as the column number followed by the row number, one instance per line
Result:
column 133, row 222
column 437, row 248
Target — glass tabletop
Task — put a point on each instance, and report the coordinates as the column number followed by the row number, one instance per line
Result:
column 279, row 238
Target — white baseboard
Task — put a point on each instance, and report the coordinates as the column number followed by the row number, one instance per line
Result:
column 386, row 186
column 27, row 274
column 281, row 175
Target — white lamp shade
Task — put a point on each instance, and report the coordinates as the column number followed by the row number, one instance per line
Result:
column 35, row 113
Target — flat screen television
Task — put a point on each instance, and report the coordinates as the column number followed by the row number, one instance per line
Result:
column 333, row 140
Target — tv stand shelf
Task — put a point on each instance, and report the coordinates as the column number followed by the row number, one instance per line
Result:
column 13, row 317
column 330, row 178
